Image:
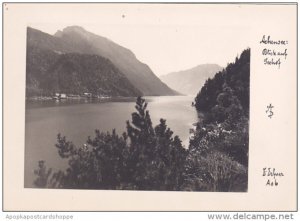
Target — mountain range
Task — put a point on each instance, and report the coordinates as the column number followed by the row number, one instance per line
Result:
column 190, row 81
column 75, row 61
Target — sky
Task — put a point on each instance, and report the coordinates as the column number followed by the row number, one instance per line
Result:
column 167, row 38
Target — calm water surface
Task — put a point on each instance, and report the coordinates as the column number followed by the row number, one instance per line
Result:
column 78, row 119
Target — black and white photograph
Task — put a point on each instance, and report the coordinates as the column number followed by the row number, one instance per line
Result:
column 150, row 107
column 106, row 112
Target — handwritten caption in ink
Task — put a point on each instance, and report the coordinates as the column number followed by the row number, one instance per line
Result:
column 275, row 51
column 272, row 176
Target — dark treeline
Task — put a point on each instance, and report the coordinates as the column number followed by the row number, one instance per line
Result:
column 218, row 151
column 148, row 157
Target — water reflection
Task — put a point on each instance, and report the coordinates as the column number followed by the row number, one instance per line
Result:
column 78, row 118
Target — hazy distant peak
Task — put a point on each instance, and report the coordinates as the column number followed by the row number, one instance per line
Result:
column 74, row 28
column 191, row 80
column 82, row 32
column 59, row 33
column 77, row 30
column 196, row 68
column 208, row 65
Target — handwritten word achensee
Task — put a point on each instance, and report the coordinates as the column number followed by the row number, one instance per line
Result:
column 273, row 53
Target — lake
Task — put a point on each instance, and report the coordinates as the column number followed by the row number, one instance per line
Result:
column 78, row 119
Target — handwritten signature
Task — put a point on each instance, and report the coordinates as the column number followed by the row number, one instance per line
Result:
column 272, row 176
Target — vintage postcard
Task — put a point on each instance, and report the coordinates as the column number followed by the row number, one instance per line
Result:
column 149, row 107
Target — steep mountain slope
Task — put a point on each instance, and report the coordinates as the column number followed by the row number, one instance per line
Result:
column 49, row 72
column 77, row 40
column 233, row 81
column 219, row 147
column 189, row 81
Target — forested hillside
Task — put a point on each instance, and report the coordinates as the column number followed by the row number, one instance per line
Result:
column 219, row 148
column 231, row 82
column 49, row 72
column 43, row 49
